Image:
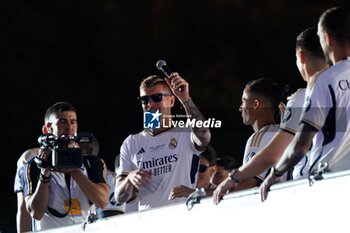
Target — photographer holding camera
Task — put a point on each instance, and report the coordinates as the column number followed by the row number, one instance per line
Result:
column 60, row 189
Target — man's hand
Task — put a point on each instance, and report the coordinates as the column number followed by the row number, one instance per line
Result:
column 175, row 81
column 139, row 178
column 223, row 188
column 180, row 191
column 41, row 160
column 265, row 186
column 282, row 110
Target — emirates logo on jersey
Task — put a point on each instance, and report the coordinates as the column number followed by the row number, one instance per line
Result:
column 173, row 143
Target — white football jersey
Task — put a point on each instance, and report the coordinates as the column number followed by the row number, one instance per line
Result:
column 170, row 156
column 291, row 118
column 21, row 162
column 19, row 177
column 327, row 110
column 290, row 124
column 59, row 198
column 256, row 142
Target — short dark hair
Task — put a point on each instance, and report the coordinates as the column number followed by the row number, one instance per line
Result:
column 228, row 163
column 336, row 21
column 309, row 41
column 57, row 108
column 267, row 88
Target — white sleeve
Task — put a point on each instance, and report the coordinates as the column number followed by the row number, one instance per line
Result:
column 317, row 104
column 291, row 118
column 126, row 164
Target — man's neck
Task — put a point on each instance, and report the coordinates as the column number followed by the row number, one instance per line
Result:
column 258, row 125
column 157, row 131
column 314, row 69
column 339, row 54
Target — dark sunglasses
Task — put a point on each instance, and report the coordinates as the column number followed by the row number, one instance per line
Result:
column 202, row 168
column 155, row 98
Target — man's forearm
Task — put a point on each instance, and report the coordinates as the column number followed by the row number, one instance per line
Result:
column 297, row 149
column 202, row 134
column 37, row 203
column 23, row 218
column 266, row 157
column 124, row 190
column 96, row 192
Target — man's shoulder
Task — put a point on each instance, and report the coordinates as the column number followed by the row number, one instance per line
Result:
column 144, row 134
column 300, row 93
column 260, row 138
column 322, row 76
column 27, row 155
column 327, row 75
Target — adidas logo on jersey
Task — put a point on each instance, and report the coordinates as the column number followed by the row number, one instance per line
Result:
column 141, row 151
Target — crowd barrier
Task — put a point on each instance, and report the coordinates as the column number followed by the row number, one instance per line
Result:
column 293, row 206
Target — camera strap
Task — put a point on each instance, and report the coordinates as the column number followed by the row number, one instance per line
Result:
column 55, row 212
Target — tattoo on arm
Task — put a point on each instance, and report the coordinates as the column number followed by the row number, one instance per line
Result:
column 202, row 134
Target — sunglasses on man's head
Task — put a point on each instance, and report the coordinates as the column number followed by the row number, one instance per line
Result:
column 202, row 168
column 155, row 98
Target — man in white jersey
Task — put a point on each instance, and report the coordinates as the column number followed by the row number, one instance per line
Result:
column 310, row 60
column 61, row 197
column 260, row 102
column 326, row 106
column 23, row 218
column 155, row 160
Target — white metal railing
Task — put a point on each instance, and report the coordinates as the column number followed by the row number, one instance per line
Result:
column 292, row 206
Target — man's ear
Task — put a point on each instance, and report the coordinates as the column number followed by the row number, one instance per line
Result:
column 301, row 54
column 256, row 103
column 329, row 39
column 47, row 128
column 172, row 101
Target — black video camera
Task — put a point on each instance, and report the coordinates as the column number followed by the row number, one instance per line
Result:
column 61, row 155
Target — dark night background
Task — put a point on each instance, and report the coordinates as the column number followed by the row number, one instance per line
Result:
column 94, row 54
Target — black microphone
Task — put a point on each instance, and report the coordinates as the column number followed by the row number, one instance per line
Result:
column 161, row 65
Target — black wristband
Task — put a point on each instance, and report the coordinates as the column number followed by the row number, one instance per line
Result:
column 44, row 179
column 276, row 172
column 232, row 175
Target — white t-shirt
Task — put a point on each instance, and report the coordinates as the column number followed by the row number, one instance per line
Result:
column 256, row 142
column 19, row 177
column 172, row 158
column 59, row 193
column 21, row 162
column 290, row 124
column 327, row 110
